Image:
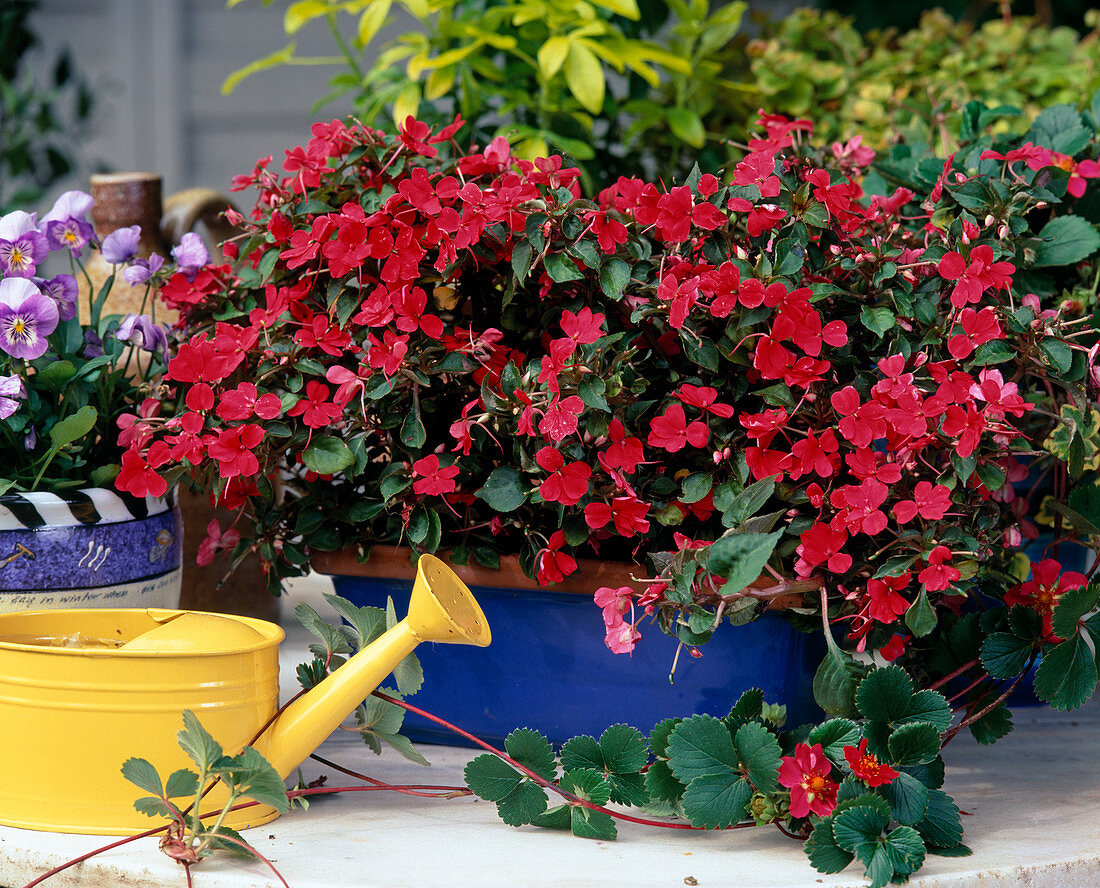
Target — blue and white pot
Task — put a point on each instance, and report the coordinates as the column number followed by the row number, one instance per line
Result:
column 89, row 548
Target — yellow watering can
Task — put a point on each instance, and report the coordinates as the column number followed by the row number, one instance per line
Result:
column 71, row 715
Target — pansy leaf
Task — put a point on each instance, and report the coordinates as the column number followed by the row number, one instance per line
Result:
column 74, row 426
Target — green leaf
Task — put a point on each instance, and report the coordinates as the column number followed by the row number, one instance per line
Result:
column 660, row 784
column 403, row 746
column 1004, row 655
column 908, row 798
column 835, row 685
column 877, row 320
column 181, row 783
column 142, row 774
column 859, row 827
column 623, row 749
column 279, row 57
column 490, row 778
column 74, row 427
column 928, row 706
column 996, row 351
column 614, row 276
column 551, row 55
column 588, row 784
column 504, row 490
column 914, row 744
column 740, row 558
column 992, row 726
column 749, row 705
column 750, row 501
column 759, row 752
column 884, row 694
column 584, row 77
column 834, row 735
column 1066, row 677
column 826, row 856
column 1085, row 500
column 920, row 617
column 701, row 746
column 523, row 804
column 696, row 487
column 413, row 434
column 942, row 825
column 521, row 259
column 715, row 801
column 532, row 750
column 1065, row 240
column 151, row 807
column 1072, row 605
column 589, row 824
column 194, row 739
column 253, row 776
column 686, row 126
column 327, row 455
column 904, row 849
column 55, row 375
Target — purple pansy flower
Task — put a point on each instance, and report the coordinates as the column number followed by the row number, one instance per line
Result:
column 30, row 439
column 121, row 245
column 69, row 234
column 190, row 254
column 22, row 245
column 27, row 317
column 63, row 290
column 93, row 345
column 142, row 269
column 11, row 390
column 70, row 205
column 143, row 332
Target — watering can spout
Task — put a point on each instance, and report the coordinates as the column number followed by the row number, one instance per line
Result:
column 441, row 610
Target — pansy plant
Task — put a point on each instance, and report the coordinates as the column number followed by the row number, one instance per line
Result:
column 68, row 388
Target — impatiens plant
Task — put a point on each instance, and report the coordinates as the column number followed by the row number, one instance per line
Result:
column 68, row 389
column 850, row 390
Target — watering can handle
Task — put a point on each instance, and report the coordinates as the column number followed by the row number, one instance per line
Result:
column 187, row 208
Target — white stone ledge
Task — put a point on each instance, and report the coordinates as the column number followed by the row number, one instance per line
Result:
column 1033, row 805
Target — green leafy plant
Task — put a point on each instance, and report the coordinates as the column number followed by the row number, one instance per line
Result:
column 871, row 791
column 40, row 122
column 246, row 775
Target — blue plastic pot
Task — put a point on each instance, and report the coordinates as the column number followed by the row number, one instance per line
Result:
column 549, row 669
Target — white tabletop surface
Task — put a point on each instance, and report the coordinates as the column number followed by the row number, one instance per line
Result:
column 1032, row 803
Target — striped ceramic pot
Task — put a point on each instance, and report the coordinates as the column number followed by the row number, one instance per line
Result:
column 89, row 548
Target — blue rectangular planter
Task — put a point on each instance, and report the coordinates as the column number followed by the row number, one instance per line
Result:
column 549, row 669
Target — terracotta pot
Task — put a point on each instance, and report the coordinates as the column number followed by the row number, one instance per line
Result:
column 548, row 667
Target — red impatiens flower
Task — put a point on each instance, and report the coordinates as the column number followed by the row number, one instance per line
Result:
column 139, row 478
column 930, row 501
column 561, row 418
column 215, row 541
column 315, row 408
column 884, row 604
column 821, row 544
column 806, row 775
column 242, row 402
column 628, row 514
column 567, row 484
column 233, row 450
column 670, row 431
column 432, row 479
column 938, row 575
column 867, row 767
column 974, row 278
column 584, row 327
column 555, row 565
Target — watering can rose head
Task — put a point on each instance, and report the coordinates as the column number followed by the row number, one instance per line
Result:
column 768, row 386
column 69, row 390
